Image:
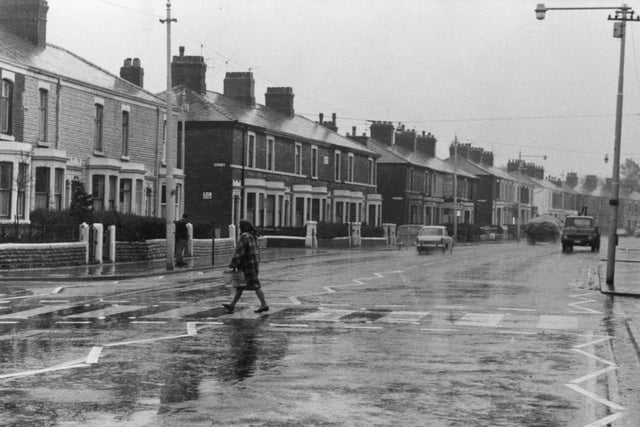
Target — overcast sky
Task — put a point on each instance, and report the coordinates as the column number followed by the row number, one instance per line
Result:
column 484, row 70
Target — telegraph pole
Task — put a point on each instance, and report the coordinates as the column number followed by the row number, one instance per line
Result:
column 170, row 183
column 455, row 189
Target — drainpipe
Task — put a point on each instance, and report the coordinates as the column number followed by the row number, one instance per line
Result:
column 156, row 184
column 58, row 104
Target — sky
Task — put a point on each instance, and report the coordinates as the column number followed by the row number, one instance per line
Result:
column 484, row 71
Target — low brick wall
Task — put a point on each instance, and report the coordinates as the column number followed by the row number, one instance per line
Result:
column 202, row 247
column 285, row 241
column 33, row 255
column 368, row 242
column 337, row 242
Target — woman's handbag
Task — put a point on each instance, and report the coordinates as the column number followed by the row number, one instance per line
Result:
column 234, row 278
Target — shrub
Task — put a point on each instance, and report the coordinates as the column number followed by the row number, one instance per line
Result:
column 371, row 231
column 329, row 230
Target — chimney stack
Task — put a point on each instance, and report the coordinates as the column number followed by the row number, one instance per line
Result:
column 189, row 71
column 383, row 132
column 25, row 18
column 132, row 72
column 280, row 99
column 240, row 86
column 426, row 144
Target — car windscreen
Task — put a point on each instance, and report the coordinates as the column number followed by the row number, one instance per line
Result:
column 578, row 222
column 431, row 232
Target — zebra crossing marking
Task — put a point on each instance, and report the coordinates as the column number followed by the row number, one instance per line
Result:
column 178, row 313
column 480, row 319
column 106, row 312
column 557, row 322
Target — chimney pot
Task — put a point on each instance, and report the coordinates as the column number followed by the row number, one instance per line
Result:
column 181, row 50
column 321, row 118
column 136, row 62
column 127, row 62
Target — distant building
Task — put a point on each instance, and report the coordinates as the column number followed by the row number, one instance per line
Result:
column 416, row 186
column 65, row 120
column 264, row 162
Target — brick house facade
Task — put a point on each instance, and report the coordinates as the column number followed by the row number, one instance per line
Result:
column 264, row 162
column 66, row 120
column 416, row 186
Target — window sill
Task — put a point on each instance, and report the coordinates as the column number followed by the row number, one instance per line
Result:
column 43, row 144
column 125, row 158
column 98, row 153
column 5, row 137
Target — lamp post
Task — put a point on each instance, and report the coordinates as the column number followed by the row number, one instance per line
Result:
column 455, row 189
column 622, row 14
column 171, row 186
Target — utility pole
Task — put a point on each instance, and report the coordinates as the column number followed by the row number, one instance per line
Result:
column 455, row 188
column 170, row 182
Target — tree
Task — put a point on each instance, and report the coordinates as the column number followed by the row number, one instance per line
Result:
column 630, row 175
column 81, row 202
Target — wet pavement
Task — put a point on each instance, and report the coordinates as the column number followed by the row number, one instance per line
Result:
column 506, row 335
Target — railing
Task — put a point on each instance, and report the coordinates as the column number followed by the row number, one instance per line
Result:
column 27, row 233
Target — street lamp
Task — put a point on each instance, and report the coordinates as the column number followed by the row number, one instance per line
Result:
column 622, row 14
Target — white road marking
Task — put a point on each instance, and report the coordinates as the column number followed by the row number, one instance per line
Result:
column 480, row 319
column 449, row 307
column 178, row 313
column 105, row 312
column 594, row 357
column 93, row 356
column 290, row 325
column 516, row 309
column 557, row 322
column 71, row 322
column 117, row 344
column 608, row 420
column 517, row 332
column 404, row 316
column 587, row 344
column 593, row 375
column 192, row 329
column 326, row 315
column 57, row 290
column 361, row 327
column 389, row 305
column 59, row 301
column 595, row 397
column 8, row 322
column 148, row 322
column 42, row 371
column 438, row 330
column 38, row 311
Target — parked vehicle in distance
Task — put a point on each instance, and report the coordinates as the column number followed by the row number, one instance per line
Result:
column 406, row 234
column 434, row 236
column 636, row 232
column 580, row 230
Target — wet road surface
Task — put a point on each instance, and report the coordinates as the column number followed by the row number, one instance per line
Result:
column 496, row 335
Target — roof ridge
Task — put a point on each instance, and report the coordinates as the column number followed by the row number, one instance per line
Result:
column 86, row 61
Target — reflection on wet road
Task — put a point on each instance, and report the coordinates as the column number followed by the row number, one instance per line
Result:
column 491, row 335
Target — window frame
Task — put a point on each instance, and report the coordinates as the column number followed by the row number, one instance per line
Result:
column 6, row 178
column 43, row 118
column 337, row 165
column 271, row 153
column 350, row 167
column 250, row 154
column 6, row 106
column 314, row 161
column 98, row 136
column 297, row 158
column 126, row 116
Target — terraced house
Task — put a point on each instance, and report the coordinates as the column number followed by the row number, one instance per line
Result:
column 264, row 162
column 65, row 120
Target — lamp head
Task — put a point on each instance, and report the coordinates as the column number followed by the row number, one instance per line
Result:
column 540, row 11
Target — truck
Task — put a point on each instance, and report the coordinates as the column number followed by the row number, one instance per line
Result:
column 580, row 230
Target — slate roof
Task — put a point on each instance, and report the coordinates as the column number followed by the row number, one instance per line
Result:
column 59, row 62
column 215, row 107
column 391, row 154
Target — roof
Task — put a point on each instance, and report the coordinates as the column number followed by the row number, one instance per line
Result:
column 396, row 154
column 215, row 107
column 59, row 62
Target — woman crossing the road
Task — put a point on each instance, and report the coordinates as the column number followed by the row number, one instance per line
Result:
column 247, row 259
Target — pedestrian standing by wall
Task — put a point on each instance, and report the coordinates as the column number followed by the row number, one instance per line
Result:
column 182, row 236
column 247, row 259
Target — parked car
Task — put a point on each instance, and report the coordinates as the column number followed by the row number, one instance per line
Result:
column 580, row 230
column 434, row 236
column 636, row 232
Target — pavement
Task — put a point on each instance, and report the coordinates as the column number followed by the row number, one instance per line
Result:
column 132, row 270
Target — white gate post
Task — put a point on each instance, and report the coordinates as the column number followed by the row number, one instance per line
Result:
column 98, row 241
column 112, row 243
column 84, row 237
